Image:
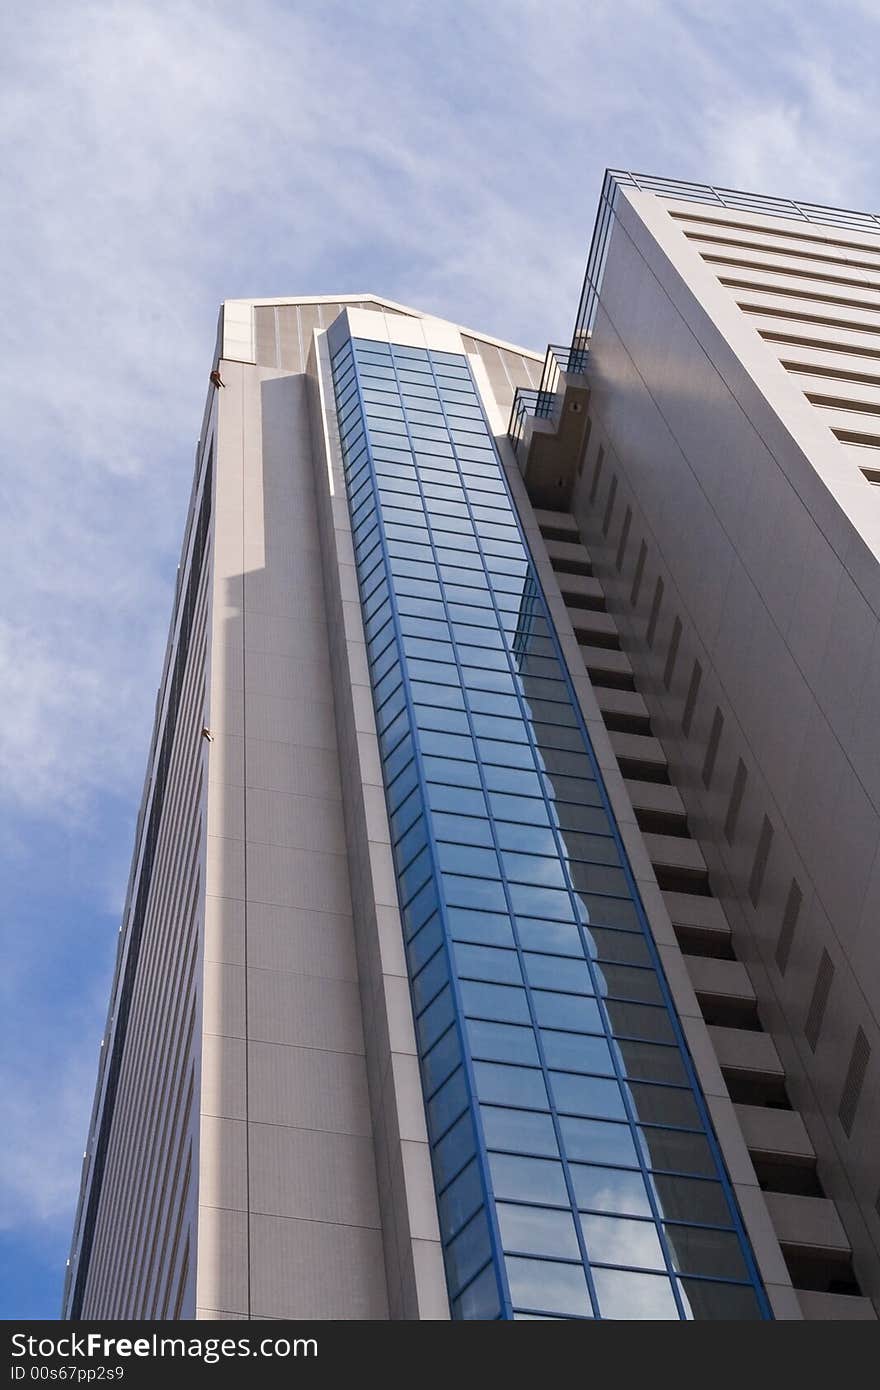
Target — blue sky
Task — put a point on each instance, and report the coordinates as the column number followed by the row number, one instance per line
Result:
column 159, row 156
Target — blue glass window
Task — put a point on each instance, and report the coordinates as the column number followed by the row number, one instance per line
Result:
column 548, row 1285
column 576, row 1172
column 538, row 1231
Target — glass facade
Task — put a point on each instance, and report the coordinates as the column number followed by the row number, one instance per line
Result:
column 575, row 1170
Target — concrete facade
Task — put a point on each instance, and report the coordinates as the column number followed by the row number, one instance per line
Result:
column 731, row 522
column 258, row 1146
column 303, row 1187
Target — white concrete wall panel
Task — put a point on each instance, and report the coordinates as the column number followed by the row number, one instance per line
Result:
column 410, row 1235
column 286, row 1132
column 767, row 540
column 139, row 1264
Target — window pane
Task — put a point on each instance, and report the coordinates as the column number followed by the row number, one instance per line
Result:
column 499, row 1002
column 446, row 745
column 639, row 1021
column 493, row 928
column 508, row 753
column 468, row 859
column 512, row 779
column 409, row 844
column 614, row 1240
column 634, row 1296
column 652, row 1062
column 577, row 1052
column 698, row 1251
column 491, row 703
column 678, row 1151
column 528, row 1179
column 527, row 810
column 557, row 972
column 480, row 1300
column 447, row 1104
column 597, row 849
column 589, row 818
column 430, row 979
column 526, row 836
column 460, row 1199
column 607, row 1189
column 452, row 771
column 598, row 1141
column 413, row 877
column 629, row 948
column 727, row 1302
column 425, row 942
column 558, row 1288
column 609, row 912
column 468, row 1251
column 524, row 1131
column 453, row 1150
column 596, row 878
column 538, row 1231
column 540, row 902
column 559, row 937
column 441, row 1059
column 436, row 1018
column 406, row 813
column 504, row 1085
column 625, row 982
column 465, row 830
column 587, row 1095
column 502, row 1042
column 417, row 912
column 665, row 1105
column 442, row 798
column 566, row 1011
column 484, row 894
column 689, row 1199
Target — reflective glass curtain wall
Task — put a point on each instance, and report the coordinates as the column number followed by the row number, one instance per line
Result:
column 575, row 1170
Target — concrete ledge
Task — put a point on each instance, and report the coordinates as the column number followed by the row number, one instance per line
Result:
column 738, row 1049
column 722, row 978
column 835, row 1307
column 777, row 1133
column 810, row 1223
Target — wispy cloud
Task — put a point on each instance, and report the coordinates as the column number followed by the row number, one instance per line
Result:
column 161, row 155
column 40, row 1179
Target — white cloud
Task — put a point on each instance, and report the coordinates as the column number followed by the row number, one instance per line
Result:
column 44, row 1125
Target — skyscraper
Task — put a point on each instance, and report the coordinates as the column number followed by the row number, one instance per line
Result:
column 501, row 938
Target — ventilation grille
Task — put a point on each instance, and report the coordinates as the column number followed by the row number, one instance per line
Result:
column 855, row 1079
column 712, row 749
column 609, row 506
column 759, row 868
column 624, row 537
column 587, row 432
column 819, row 1002
column 672, row 654
column 597, row 474
column 637, row 577
column 789, row 922
column 736, row 798
column 656, row 605
column 690, row 703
